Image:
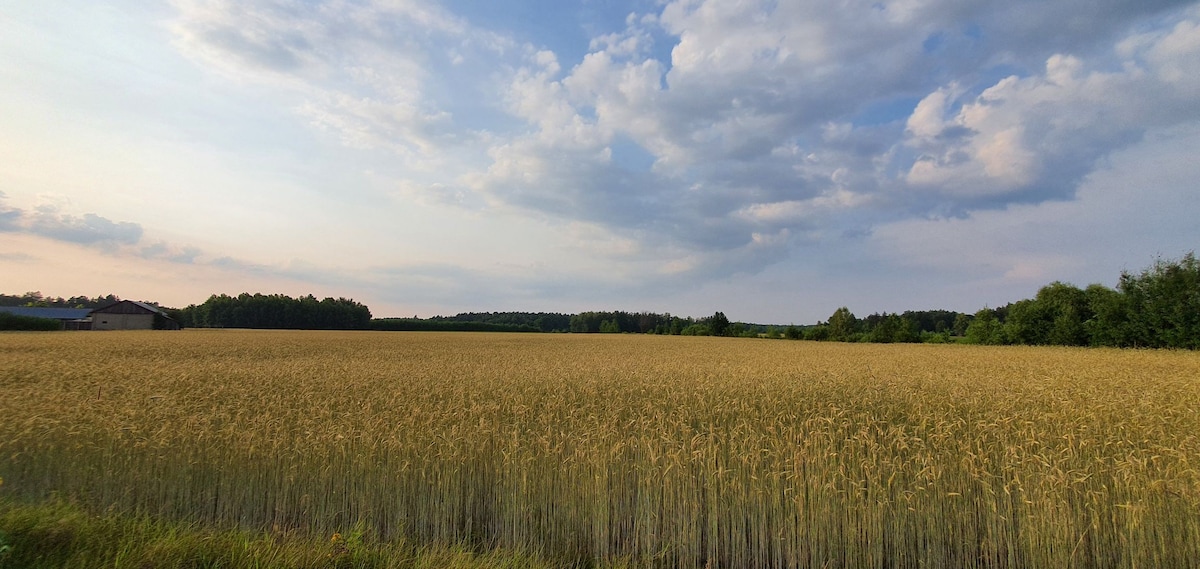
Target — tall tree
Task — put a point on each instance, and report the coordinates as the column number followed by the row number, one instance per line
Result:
column 985, row 328
column 842, row 325
column 718, row 324
column 960, row 324
column 1109, row 324
column 1164, row 304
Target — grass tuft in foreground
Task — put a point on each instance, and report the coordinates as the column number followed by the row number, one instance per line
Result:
column 56, row 534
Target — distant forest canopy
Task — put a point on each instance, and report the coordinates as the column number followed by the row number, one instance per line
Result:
column 480, row 322
column 275, row 311
column 1158, row 307
column 36, row 299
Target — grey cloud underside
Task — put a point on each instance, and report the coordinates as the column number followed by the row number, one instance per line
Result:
column 1033, row 29
column 638, row 203
column 91, row 230
column 289, row 37
column 426, row 283
column 88, row 229
column 9, row 219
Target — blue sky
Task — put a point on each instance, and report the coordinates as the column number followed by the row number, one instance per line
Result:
column 772, row 160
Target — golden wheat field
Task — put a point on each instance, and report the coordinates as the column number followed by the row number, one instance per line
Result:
column 607, row 450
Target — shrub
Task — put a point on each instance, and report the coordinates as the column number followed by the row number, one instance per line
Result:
column 28, row 323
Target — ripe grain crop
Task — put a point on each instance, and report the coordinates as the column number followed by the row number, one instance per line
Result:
column 623, row 450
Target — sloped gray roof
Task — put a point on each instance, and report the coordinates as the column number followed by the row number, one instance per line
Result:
column 123, row 307
column 51, row 313
column 149, row 307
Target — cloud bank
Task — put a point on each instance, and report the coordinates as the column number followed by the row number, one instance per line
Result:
column 89, row 229
column 755, row 134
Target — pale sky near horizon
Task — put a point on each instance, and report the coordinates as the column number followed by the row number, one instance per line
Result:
column 772, row 160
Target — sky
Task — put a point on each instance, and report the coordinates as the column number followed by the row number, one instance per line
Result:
column 770, row 159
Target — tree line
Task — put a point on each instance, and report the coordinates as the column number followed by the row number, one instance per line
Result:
column 275, row 311
column 621, row 322
column 479, row 322
column 36, row 299
column 1158, row 307
column 928, row 326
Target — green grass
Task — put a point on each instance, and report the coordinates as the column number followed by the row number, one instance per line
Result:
column 58, row 535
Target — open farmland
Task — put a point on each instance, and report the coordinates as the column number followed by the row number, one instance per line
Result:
column 619, row 449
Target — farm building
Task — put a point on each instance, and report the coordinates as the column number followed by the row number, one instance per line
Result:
column 131, row 315
column 71, row 318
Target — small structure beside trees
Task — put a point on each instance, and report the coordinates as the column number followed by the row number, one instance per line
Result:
column 132, row 315
column 120, row 315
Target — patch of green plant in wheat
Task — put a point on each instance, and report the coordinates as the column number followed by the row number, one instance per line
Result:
column 55, row 534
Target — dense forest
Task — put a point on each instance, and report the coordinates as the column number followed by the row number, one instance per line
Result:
column 1158, row 307
column 540, row 321
column 447, row 324
column 275, row 311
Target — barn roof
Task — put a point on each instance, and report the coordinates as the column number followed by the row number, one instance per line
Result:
column 130, row 307
column 44, row 312
column 149, row 307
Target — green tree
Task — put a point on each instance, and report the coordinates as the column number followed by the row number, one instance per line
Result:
column 890, row 328
column 696, row 329
column 1163, row 304
column 718, row 324
column 588, row 322
column 942, row 337
column 818, row 333
column 906, row 330
column 678, row 324
column 1109, row 325
column 736, row 329
column 960, row 324
column 985, row 328
column 1028, row 323
column 277, row 311
column 842, row 325
column 884, row 331
column 1068, row 308
column 1055, row 316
